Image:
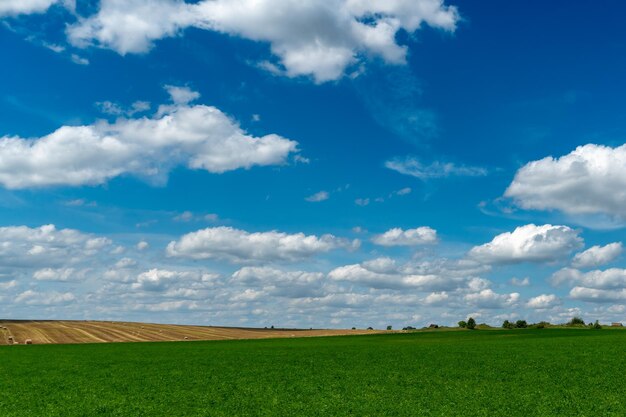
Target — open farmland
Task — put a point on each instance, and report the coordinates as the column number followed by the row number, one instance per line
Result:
column 545, row 372
column 57, row 331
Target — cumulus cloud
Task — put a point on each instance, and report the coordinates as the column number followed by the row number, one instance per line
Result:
column 181, row 95
column 17, row 7
column 125, row 263
column 8, row 285
column 413, row 167
column 59, row 274
column 410, row 237
column 383, row 273
column 317, row 197
column 520, row 282
column 240, row 246
column 543, row 301
column 597, row 295
column 436, row 298
column 613, row 278
column 309, row 37
column 529, row 243
column 336, row 301
column 597, row 255
column 196, row 136
column 22, row 246
column 275, row 282
column 487, row 298
column 31, row 297
column 114, row 109
column 167, row 306
column 160, row 279
column 585, row 181
column 188, row 216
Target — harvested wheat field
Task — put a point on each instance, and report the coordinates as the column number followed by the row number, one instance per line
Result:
column 56, row 331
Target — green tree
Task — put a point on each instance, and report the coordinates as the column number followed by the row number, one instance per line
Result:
column 462, row 324
column 521, row 324
column 597, row 325
column 576, row 321
column 389, row 327
column 508, row 325
column 471, row 323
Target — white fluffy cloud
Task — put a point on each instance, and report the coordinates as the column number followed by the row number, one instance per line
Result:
column 59, row 274
column 613, row 278
column 240, row 246
column 198, row 136
column 309, row 37
column 487, row 298
column 410, row 237
column 598, row 286
column 31, row 297
column 436, row 298
column 161, row 279
column 17, row 7
column 597, row 255
column 543, row 301
column 275, row 282
column 413, row 167
column 383, row 273
column 23, row 246
column 529, row 243
column 588, row 180
column 597, row 295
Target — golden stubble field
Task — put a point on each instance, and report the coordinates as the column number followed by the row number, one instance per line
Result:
column 62, row 331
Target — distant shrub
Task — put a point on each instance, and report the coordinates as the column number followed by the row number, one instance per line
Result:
column 408, row 328
column 521, row 324
column 471, row 323
column 576, row 321
column 540, row 325
column 462, row 324
column 370, row 328
column 389, row 327
column 597, row 325
column 354, row 328
column 508, row 325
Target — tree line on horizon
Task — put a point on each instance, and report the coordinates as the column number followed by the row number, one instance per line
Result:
column 471, row 324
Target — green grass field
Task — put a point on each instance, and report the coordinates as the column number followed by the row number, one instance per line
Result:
column 549, row 372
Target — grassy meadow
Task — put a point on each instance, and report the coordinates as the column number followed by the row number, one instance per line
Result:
column 530, row 372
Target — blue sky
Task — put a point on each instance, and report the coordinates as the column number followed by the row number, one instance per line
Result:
column 315, row 164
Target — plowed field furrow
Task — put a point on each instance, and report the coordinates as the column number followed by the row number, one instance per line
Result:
column 63, row 331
